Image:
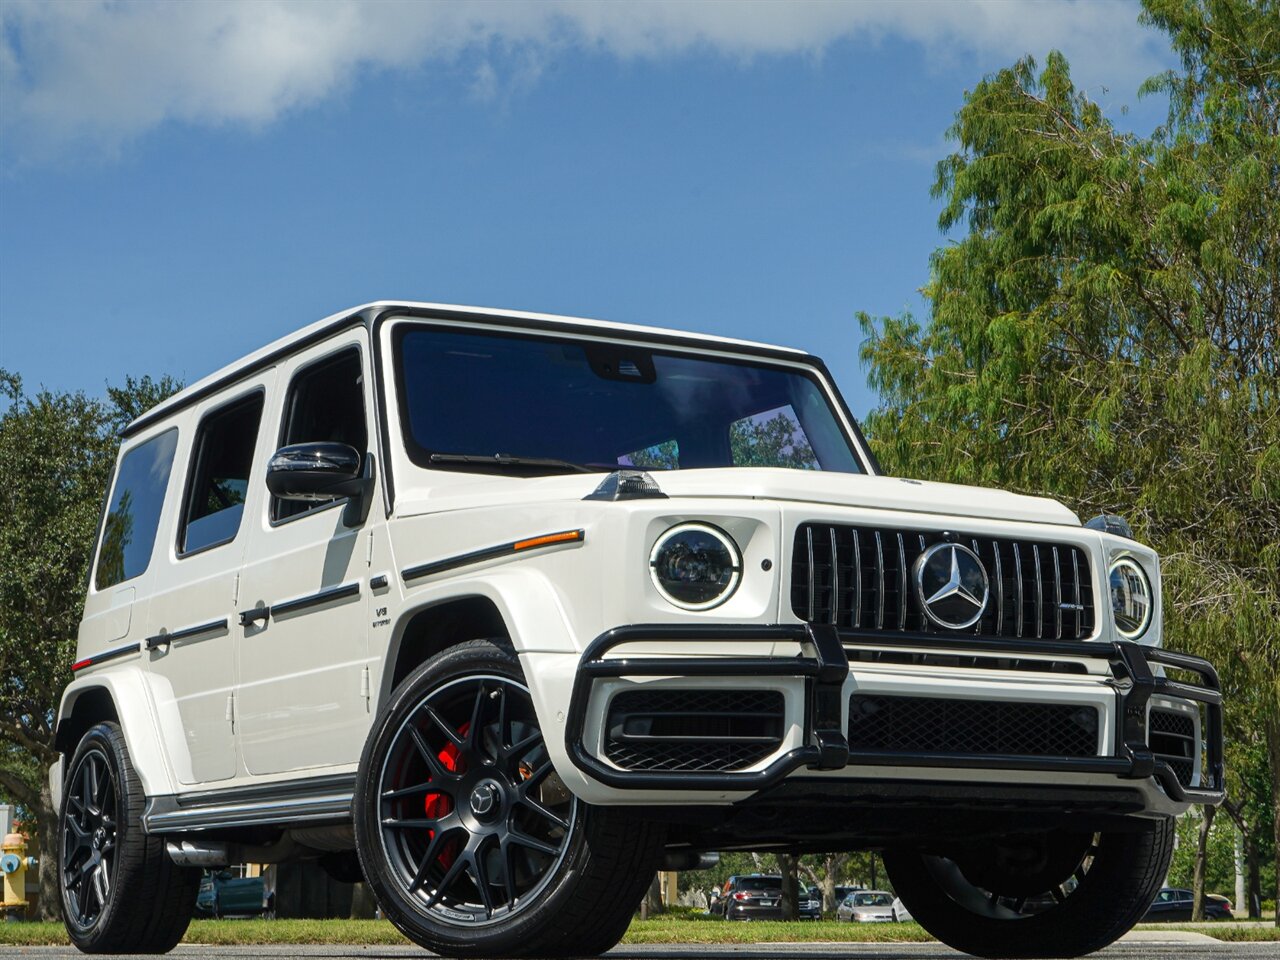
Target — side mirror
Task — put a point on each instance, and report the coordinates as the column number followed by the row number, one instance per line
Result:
column 323, row 471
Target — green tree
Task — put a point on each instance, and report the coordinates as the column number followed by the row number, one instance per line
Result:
column 1105, row 329
column 56, row 455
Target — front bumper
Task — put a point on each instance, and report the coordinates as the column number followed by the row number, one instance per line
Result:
column 824, row 668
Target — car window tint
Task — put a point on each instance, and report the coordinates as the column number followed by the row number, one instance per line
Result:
column 129, row 531
column 325, row 403
column 219, row 480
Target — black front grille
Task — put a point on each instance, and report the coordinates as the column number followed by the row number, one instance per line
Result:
column 863, row 578
column 691, row 731
column 1172, row 737
column 986, row 727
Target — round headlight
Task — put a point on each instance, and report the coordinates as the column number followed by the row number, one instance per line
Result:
column 1131, row 600
column 695, row 566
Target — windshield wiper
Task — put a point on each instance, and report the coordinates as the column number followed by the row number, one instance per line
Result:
column 506, row 460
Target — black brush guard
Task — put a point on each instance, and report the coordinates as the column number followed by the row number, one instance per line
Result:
column 825, row 670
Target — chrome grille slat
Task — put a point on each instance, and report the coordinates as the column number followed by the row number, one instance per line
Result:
column 995, row 547
column 857, row 577
column 1057, row 595
column 902, row 582
column 1017, row 576
column 1075, row 569
column 835, row 578
column 880, row 577
column 813, row 573
column 1035, row 552
column 830, row 584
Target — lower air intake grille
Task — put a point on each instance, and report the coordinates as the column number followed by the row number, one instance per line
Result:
column 693, row 731
column 985, row 727
column 1173, row 740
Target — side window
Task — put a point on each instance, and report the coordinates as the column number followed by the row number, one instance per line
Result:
column 219, row 478
column 325, row 402
column 129, row 532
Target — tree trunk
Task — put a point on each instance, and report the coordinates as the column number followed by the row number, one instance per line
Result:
column 1273, row 749
column 651, row 905
column 363, row 904
column 1238, row 862
column 47, row 847
column 1202, row 852
column 789, row 867
column 1254, row 870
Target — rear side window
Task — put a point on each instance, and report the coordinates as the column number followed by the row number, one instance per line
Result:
column 325, row 403
column 219, row 479
column 129, row 532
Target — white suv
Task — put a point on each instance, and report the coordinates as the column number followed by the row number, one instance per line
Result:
column 501, row 612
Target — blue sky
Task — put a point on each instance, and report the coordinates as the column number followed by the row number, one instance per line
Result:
column 181, row 183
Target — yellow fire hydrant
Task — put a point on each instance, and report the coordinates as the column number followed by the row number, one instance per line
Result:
column 14, row 865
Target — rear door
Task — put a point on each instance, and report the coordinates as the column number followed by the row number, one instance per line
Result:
column 192, row 616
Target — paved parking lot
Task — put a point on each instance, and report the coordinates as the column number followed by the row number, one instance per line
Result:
column 1147, row 947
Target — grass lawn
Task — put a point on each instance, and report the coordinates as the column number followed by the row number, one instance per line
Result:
column 677, row 929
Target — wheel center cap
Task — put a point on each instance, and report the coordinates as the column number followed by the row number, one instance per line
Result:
column 484, row 799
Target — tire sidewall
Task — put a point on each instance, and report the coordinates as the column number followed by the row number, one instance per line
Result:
column 402, row 909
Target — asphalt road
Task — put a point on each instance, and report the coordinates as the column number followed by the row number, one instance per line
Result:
column 1154, row 947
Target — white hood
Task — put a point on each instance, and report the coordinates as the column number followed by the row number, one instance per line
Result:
column 466, row 490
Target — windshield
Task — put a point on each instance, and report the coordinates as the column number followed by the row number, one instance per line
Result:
column 760, row 883
column 468, row 394
column 872, row 900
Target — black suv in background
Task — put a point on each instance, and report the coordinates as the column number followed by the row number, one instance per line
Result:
column 754, row 897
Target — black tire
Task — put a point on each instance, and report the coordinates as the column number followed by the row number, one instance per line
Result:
column 536, row 872
column 1097, row 886
column 120, row 891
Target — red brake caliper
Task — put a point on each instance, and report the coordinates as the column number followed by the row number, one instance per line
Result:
column 437, row 805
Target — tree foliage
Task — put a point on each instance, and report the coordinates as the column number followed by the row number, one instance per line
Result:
column 1104, row 328
column 56, row 455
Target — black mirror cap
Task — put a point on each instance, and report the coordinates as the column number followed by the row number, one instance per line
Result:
column 315, row 471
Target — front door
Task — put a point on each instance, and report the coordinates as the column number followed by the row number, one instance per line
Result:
column 303, row 695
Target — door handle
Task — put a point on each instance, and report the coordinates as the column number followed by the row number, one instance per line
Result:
column 249, row 617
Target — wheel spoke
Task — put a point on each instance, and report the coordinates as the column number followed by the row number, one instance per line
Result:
column 438, row 770
column 508, row 873
column 502, row 721
column 518, row 749
column 537, row 807
column 534, row 778
column 477, row 708
column 481, row 878
column 1058, row 893
column 428, row 861
column 454, row 737
column 450, row 875
column 428, row 787
column 524, row 840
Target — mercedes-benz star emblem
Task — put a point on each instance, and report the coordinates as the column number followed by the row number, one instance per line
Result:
column 952, row 584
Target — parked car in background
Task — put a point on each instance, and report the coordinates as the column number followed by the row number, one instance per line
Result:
column 867, row 906
column 754, row 897
column 899, row 910
column 223, row 894
column 1175, row 903
column 810, row 906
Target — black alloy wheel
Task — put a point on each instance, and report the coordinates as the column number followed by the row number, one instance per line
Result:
column 121, row 892
column 473, row 820
column 89, row 839
column 1055, row 894
column 470, row 840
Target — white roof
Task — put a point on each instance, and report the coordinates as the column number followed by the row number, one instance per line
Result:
column 283, row 344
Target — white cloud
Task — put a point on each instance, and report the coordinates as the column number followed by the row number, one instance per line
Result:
column 101, row 72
